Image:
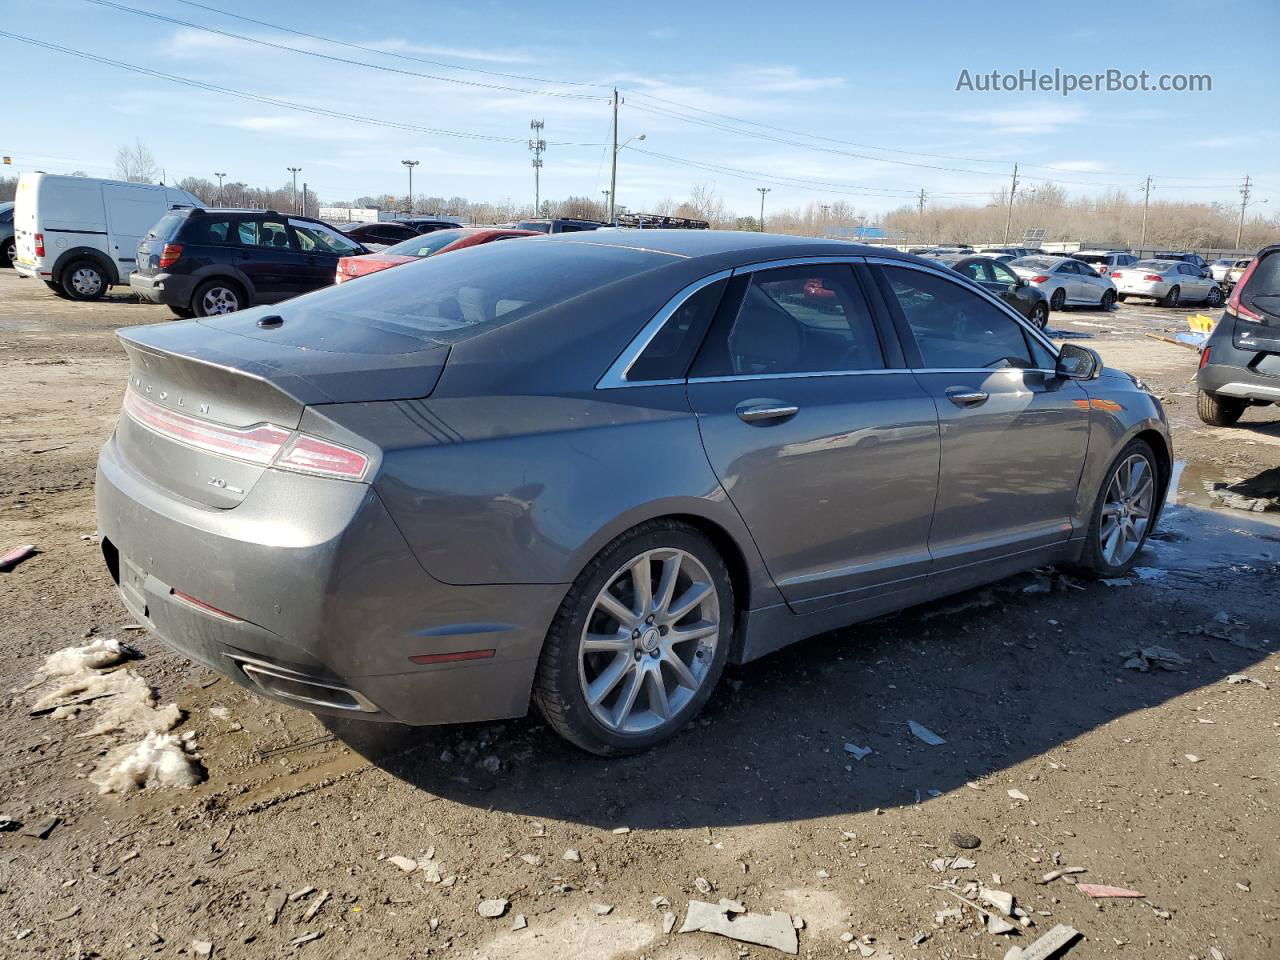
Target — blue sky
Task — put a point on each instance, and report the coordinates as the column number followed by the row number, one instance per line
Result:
column 878, row 81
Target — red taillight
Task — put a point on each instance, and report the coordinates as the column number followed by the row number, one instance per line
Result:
column 170, row 254
column 1040, row 279
column 1115, row 274
column 1204, row 358
column 1234, row 306
column 264, row 444
column 1153, row 278
column 39, row 244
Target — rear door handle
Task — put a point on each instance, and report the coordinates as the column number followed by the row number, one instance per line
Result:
column 765, row 412
column 967, row 398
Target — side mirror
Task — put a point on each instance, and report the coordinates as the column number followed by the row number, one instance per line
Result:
column 1078, row 363
column 1020, row 284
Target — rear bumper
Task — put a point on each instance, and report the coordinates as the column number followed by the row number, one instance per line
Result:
column 31, row 269
column 1142, row 289
column 167, row 288
column 324, row 606
column 1234, row 371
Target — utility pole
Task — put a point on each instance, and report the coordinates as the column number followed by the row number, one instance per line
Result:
column 304, row 198
column 295, row 171
column 1245, row 189
column 920, row 202
column 763, row 191
column 1013, row 190
column 219, row 176
column 411, row 164
column 613, row 166
column 537, row 145
column 1146, row 202
column 607, row 195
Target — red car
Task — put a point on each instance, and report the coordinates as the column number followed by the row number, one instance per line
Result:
column 427, row 245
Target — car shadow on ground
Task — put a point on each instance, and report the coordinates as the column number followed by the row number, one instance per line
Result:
column 1002, row 674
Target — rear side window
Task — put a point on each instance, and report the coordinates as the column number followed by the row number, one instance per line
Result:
column 1262, row 292
column 166, row 227
column 807, row 319
column 955, row 328
column 263, row 233
column 203, row 230
column 668, row 354
column 451, row 299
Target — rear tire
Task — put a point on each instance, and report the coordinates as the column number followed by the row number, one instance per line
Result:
column 1122, row 297
column 1219, row 411
column 1215, row 297
column 56, row 288
column 10, row 253
column 1058, row 300
column 624, row 662
column 217, row 297
column 83, row 280
column 1040, row 315
column 1123, row 514
column 1108, row 299
column 1171, row 298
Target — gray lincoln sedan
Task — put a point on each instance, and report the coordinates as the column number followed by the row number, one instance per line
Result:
column 588, row 470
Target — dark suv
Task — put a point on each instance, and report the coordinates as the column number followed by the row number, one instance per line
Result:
column 201, row 262
column 559, row 225
column 1240, row 362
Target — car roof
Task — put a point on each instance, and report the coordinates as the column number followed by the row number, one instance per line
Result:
column 700, row 243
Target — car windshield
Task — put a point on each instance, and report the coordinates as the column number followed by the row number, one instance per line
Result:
column 1263, row 289
column 451, row 299
column 1035, row 263
column 166, row 226
column 539, row 225
column 1159, row 266
column 425, row 245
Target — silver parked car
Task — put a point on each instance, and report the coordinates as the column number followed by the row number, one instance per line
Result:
column 1169, row 282
column 587, row 471
column 1066, row 281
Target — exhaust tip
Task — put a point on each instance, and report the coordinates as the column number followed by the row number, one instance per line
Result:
column 300, row 688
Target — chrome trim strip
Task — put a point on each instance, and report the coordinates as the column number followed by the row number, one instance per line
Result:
column 1247, row 390
column 252, row 668
column 616, row 376
column 798, row 262
column 958, row 280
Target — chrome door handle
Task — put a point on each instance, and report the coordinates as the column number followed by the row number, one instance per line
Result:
column 758, row 413
column 967, row 398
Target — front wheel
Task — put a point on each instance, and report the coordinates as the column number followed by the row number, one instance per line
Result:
column 1040, row 314
column 1108, row 299
column 1215, row 297
column 1171, row 298
column 639, row 642
column 1123, row 513
column 1058, row 300
column 1219, row 411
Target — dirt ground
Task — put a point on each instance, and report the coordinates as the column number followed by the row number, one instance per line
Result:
column 1024, row 680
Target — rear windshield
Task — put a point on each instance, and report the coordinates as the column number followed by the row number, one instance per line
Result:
column 540, row 226
column 1262, row 292
column 1036, row 263
column 451, row 299
column 1158, row 265
column 1090, row 257
column 166, row 227
column 425, row 245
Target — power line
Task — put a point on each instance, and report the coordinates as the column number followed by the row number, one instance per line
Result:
column 326, row 56
column 272, row 101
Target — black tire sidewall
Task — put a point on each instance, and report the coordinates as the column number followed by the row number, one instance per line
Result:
column 70, row 291
column 1092, row 559
column 1040, row 314
column 1108, row 299
column 1060, row 296
column 559, row 670
column 1172, row 298
column 7, row 252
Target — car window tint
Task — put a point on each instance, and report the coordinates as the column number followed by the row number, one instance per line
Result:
column 1003, row 274
column 668, row 354
column 956, row 328
column 167, row 226
column 979, row 270
column 263, row 233
column 807, row 319
column 314, row 238
column 426, row 245
column 209, row 231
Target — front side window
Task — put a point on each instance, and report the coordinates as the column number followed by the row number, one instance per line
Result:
column 955, row 328
column 806, row 319
column 315, row 238
column 263, row 233
column 979, row 270
column 1003, row 274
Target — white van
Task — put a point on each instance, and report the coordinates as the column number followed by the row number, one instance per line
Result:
column 80, row 235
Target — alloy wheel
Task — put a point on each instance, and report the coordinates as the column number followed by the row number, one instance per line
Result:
column 649, row 641
column 86, row 281
column 219, row 300
column 1126, row 510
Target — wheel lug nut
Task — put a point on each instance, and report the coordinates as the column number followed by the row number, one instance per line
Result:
column 663, row 630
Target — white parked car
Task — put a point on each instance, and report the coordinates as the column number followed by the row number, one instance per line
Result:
column 80, row 235
column 1066, row 281
column 1105, row 261
column 1235, row 272
column 1169, row 282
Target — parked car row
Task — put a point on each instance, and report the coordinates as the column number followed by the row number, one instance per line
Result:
column 441, row 241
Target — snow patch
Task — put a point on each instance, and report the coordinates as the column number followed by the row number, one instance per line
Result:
column 158, row 760
column 94, row 656
column 126, row 703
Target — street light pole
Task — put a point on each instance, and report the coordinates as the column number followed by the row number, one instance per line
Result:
column 410, row 164
column 613, row 172
column 219, row 176
column 763, row 191
column 295, row 171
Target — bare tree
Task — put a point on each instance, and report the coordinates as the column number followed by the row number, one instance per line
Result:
column 136, row 163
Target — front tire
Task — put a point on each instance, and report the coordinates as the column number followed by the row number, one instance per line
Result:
column 1108, row 299
column 1123, row 513
column 1171, row 298
column 1040, row 314
column 1214, row 298
column 1058, row 300
column 56, row 288
column 217, row 297
column 1219, row 411
column 83, row 280
column 639, row 641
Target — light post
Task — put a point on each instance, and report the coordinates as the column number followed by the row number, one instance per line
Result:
column 613, row 173
column 410, row 164
column 219, row 176
column 763, row 191
column 295, row 171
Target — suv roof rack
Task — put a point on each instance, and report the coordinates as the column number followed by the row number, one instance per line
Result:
column 655, row 221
